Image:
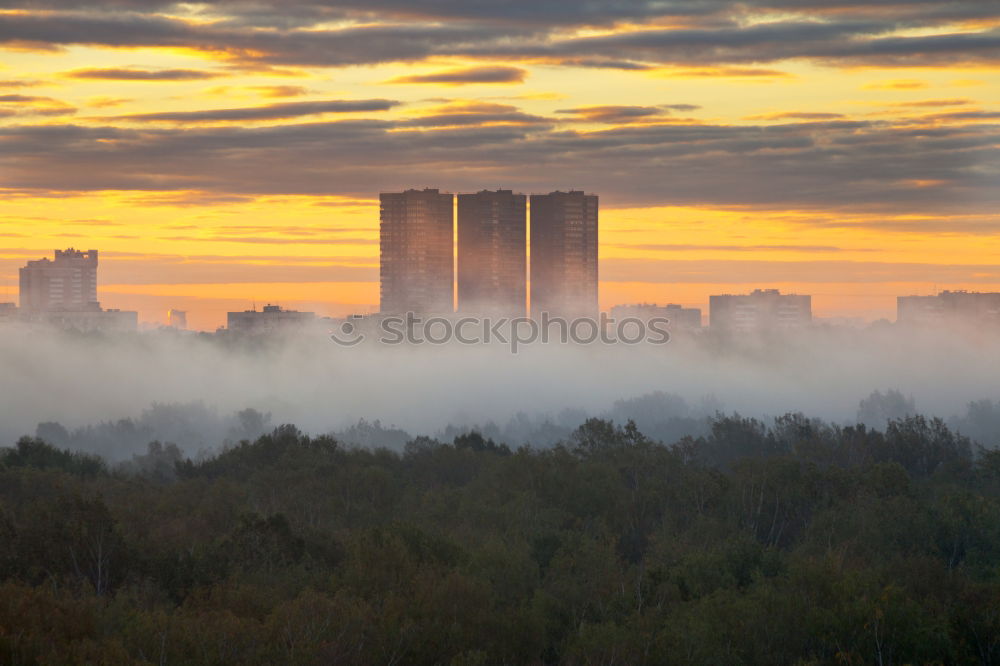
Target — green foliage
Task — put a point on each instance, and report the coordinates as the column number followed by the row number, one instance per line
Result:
column 31, row 452
column 792, row 542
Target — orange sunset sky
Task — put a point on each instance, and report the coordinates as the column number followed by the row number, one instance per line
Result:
column 220, row 154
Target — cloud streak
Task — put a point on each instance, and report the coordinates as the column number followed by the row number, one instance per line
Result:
column 134, row 74
column 617, row 114
column 467, row 75
column 267, row 112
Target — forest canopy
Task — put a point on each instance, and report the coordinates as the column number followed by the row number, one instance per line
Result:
column 788, row 541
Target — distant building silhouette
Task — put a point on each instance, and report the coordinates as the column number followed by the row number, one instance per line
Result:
column 8, row 312
column 761, row 310
column 681, row 318
column 177, row 319
column 111, row 320
column 69, row 282
column 949, row 308
column 492, row 253
column 273, row 318
column 417, row 252
column 564, row 254
column 63, row 292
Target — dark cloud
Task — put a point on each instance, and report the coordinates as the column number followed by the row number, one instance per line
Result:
column 468, row 75
column 299, row 12
column 346, row 46
column 835, row 41
column 616, row 114
column 969, row 115
column 933, row 103
column 267, row 112
column 798, row 115
column 702, row 33
column 800, row 165
column 133, row 74
column 731, row 72
column 604, row 63
column 475, row 114
column 296, row 13
column 31, row 105
column 23, row 99
column 476, row 119
column 18, row 83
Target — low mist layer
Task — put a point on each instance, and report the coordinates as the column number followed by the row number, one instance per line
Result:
column 201, row 391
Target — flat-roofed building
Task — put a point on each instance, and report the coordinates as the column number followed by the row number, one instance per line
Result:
column 272, row 319
column 177, row 319
column 8, row 312
column 680, row 318
column 62, row 292
column 564, row 272
column 417, row 249
column 760, row 310
column 67, row 282
column 492, row 253
column 87, row 321
column 949, row 308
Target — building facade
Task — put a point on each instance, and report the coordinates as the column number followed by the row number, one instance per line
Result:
column 177, row 319
column 417, row 245
column 949, row 308
column 564, row 228
column 272, row 319
column 68, row 282
column 679, row 317
column 492, row 253
column 89, row 321
column 761, row 310
column 8, row 312
column 62, row 292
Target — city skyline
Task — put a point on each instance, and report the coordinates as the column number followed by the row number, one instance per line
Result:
column 219, row 156
column 420, row 251
column 208, row 306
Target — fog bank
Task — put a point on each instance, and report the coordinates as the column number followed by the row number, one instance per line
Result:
column 76, row 381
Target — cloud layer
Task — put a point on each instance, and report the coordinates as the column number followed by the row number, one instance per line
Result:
column 634, row 33
column 835, row 164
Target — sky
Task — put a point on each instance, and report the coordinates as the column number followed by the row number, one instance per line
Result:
column 226, row 154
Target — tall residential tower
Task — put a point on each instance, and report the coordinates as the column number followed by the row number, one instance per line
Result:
column 492, row 253
column 69, row 282
column 417, row 249
column 564, row 254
